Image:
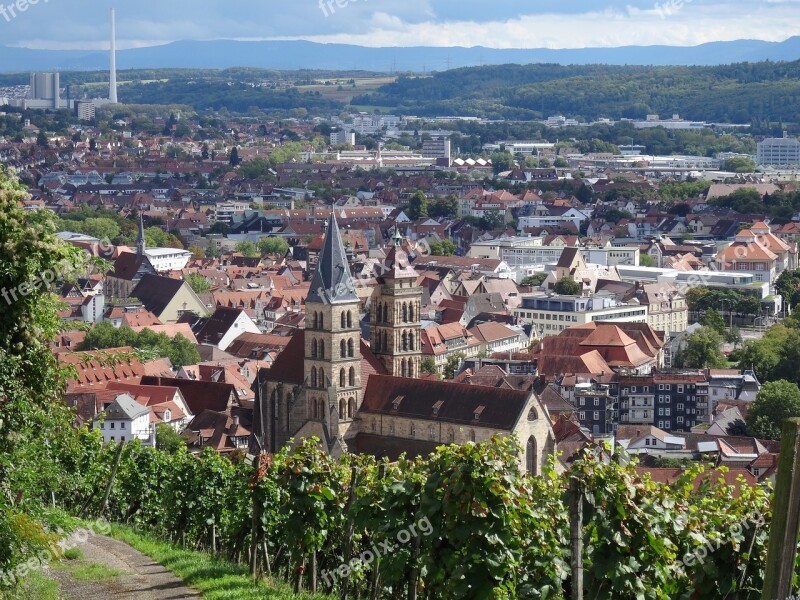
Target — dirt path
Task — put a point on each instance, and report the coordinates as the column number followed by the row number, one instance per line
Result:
column 143, row 578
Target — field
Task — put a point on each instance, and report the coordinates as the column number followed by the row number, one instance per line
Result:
column 341, row 90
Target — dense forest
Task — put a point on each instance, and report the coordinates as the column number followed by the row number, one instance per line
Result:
column 729, row 93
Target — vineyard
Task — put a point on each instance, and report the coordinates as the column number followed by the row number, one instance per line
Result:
column 463, row 523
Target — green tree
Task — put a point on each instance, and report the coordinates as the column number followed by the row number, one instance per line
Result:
column 775, row 402
column 739, row 164
column 417, row 205
column 258, row 168
column 428, row 365
column 204, row 151
column 234, row 158
column 444, row 207
column 37, row 439
column 702, row 351
column 645, row 260
column 567, row 287
column 273, row 246
column 502, row 162
column 534, row 280
column 442, row 248
column 560, row 163
column 148, row 343
column 734, row 336
column 248, row 249
column 168, row 440
column 714, row 320
column 198, row 283
column 451, row 365
column 220, row 227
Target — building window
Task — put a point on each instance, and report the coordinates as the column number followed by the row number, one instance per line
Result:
column 350, row 350
column 113, row 425
column 352, row 377
column 412, row 430
column 341, row 378
column 471, row 435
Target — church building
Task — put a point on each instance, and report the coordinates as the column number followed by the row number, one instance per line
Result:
column 356, row 396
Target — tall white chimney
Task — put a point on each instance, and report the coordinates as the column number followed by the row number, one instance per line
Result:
column 112, row 89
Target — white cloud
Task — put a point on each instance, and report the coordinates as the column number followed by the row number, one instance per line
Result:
column 668, row 22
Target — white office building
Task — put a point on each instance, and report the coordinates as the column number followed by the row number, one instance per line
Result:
column 168, row 259
column 778, row 152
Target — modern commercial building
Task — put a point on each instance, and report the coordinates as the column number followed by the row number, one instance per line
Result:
column 778, row 152
column 553, row 314
column 436, row 148
column 343, row 137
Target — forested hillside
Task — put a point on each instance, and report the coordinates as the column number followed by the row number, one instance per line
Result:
column 729, row 93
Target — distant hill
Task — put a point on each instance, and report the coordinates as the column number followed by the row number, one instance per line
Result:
column 738, row 93
column 292, row 55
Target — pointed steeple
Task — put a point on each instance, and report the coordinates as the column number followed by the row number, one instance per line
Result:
column 141, row 245
column 332, row 283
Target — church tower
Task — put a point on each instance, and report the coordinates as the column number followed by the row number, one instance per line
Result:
column 395, row 314
column 332, row 365
column 141, row 244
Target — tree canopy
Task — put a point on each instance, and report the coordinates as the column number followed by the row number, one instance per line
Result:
column 775, row 402
column 568, row 287
column 178, row 349
column 702, row 351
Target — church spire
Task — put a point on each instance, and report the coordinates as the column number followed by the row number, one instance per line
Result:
column 141, row 245
column 332, row 282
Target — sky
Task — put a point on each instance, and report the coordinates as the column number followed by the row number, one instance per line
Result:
column 83, row 24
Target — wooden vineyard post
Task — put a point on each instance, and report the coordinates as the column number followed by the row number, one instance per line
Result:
column 785, row 517
column 575, row 496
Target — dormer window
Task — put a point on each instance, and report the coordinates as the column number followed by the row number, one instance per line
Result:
column 396, row 403
column 477, row 414
column 436, row 408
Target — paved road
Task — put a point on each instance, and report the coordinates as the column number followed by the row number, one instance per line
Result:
column 144, row 579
